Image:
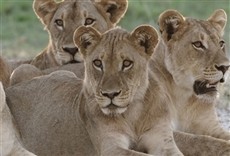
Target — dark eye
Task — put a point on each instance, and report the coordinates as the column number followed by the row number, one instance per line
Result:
column 89, row 21
column 198, row 44
column 127, row 64
column 222, row 44
column 98, row 64
column 59, row 22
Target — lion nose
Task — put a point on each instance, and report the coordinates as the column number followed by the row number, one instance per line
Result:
column 111, row 95
column 223, row 69
column 70, row 50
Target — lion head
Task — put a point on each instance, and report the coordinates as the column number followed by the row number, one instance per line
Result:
column 61, row 20
column 196, row 55
column 116, row 65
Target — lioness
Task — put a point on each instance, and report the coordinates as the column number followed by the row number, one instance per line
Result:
column 113, row 111
column 192, row 65
column 61, row 20
column 9, row 136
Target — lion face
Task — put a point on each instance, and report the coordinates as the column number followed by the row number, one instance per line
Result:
column 63, row 18
column 196, row 58
column 116, row 64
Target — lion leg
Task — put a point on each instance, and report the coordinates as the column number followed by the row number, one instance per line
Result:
column 9, row 143
column 159, row 140
column 206, row 123
column 24, row 72
column 201, row 145
column 115, row 144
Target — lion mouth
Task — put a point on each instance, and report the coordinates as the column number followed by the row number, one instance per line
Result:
column 204, row 87
column 113, row 109
column 74, row 61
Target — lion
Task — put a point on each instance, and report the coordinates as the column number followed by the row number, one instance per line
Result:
column 9, row 141
column 99, row 115
column 5, row 72
column 61, row 20
column 112, row 111
column 191, row 62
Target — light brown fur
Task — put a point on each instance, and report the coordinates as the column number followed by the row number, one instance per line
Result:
column 61, row 20
column 73, row 14
column 76, row 117
column 10, row 144
column 181, row 63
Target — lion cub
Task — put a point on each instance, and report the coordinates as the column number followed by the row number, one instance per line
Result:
column 190, row 65
column 61, row 20
column 113, row 111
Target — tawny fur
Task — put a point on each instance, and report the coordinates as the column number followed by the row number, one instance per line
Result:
column 61, row 50
column 61, row 20
column 9, row 136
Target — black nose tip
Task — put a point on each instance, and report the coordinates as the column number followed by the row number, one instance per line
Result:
column 72, row 50
column 222, row 68
column 111, row 95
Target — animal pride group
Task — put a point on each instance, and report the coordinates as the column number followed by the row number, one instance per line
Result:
column 99, row 90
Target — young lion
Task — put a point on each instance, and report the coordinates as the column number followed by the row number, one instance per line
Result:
column 112, row 111
column 9, row 140
column 191, row 66
column 61, row 20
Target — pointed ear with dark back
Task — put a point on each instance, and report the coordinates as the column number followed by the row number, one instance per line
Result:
column 170, row 22
column 219, row 20
column 45, row 10
column 115, row 9
column 145, row 37
column 85, row 38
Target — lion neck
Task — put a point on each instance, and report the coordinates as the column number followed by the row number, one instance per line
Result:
column 165, row 78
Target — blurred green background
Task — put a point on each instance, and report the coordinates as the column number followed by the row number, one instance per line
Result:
column 22, row 35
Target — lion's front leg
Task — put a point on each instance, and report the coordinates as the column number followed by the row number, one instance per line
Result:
column 159, row 140
column 206, row 122
column 114, row 144
column 201, row 145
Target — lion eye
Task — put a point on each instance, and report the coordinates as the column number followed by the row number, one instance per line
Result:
column 89, row 21
column 127, row 64
column 198, row 45
column 98, row 64
column 59, row 22
column 222, row 44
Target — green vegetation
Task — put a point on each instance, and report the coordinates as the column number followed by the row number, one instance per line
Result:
column 22, row 34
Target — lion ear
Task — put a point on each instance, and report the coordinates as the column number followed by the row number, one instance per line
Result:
column 115, row 9
column 219, row 20
column 85, row 38
column 45, row 10
column 146, row 38
column 169, row 23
